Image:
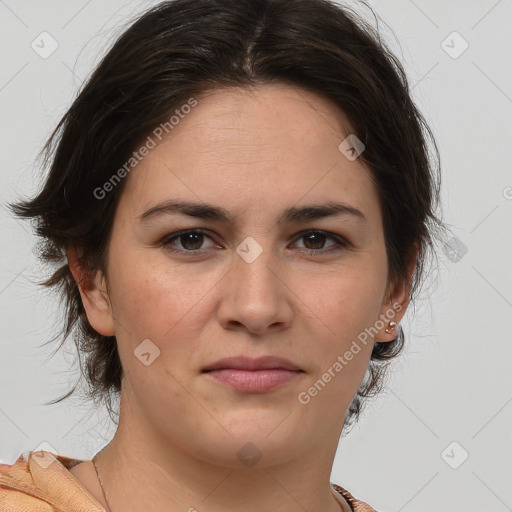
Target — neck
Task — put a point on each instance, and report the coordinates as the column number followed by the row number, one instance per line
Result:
column 136, row 472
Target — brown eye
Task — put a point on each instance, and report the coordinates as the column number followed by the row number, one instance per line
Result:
column 315, row 242
column 189, row 241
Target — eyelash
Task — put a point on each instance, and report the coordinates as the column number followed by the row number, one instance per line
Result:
column 341, row 243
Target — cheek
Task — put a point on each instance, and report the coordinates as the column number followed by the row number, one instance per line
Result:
column 344, row 312
column 346, row 305
column 145, row 290
column 159, row 302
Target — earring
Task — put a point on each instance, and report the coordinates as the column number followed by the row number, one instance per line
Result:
column 391, row 326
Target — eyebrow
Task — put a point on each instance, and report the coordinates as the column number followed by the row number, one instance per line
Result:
column 216, row 213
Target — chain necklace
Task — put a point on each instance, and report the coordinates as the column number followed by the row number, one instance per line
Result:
column 105, row 493
column 101, row 484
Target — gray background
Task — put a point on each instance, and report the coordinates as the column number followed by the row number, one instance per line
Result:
column 453, row 383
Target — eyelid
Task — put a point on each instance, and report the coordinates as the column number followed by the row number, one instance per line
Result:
column 166, row 241
column 341, row 242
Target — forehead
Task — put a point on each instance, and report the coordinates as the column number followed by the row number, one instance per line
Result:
column 276, row 115
column 268, row 145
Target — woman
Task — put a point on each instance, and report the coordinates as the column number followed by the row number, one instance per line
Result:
column 242, row 202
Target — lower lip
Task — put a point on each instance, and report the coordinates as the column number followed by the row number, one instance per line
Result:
column 253, row 381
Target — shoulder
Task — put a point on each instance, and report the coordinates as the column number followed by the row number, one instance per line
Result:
column 357, row 505
column 42, row 483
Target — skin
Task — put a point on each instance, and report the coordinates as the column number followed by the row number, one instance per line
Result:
column 253, row 153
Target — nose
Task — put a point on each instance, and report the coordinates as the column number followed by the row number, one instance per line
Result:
column 255, row 295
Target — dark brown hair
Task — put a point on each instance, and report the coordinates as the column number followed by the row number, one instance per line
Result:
column 183, row 48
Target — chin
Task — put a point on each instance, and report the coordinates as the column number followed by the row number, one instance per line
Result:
column 254, row 442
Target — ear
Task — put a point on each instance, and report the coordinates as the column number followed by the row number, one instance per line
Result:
column 398, row 296
column 94, row 294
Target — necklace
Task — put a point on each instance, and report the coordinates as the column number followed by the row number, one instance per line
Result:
column 101, row 485
column 105, row 493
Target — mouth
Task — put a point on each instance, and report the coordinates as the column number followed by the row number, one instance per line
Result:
column 251, row 364
column 253, row 375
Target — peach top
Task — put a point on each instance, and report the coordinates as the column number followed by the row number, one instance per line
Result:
column 42, row 483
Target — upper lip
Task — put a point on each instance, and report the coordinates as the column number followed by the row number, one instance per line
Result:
column 248, row 363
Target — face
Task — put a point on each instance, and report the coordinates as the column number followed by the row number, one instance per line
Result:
column 256, row 272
